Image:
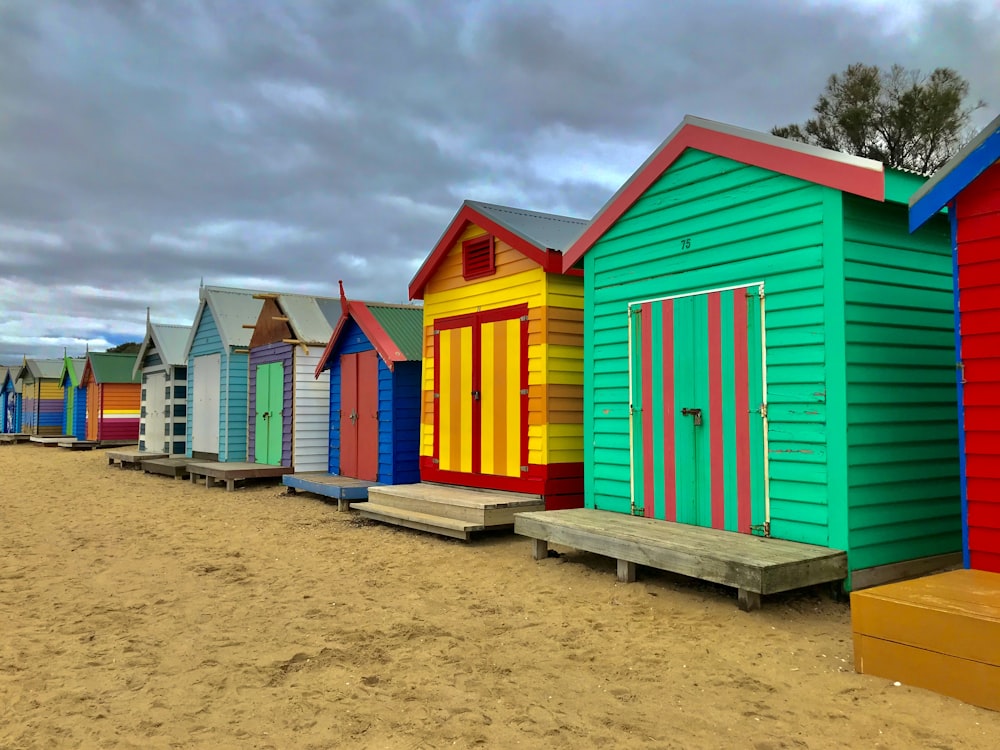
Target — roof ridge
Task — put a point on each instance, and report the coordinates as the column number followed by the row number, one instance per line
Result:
column 529, row 212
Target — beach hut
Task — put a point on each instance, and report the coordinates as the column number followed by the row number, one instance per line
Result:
column 371, row 367
column 942, row 632
column 113, row 397
column 10, row 400
column 41, row 398
column 289, row 418
column 502, row 366
column 161, row 368
column 769, row 355
column 74, row 397
column 217, row 355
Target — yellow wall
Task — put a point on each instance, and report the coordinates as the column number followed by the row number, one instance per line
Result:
column 555, row 343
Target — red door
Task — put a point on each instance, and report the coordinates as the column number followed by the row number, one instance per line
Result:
column 359, row 416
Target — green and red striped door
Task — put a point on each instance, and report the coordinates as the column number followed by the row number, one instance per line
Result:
column 698, row 424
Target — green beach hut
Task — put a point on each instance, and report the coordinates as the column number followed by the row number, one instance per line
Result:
column 770, row 352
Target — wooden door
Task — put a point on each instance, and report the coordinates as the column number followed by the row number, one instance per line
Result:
column 269, row 416
column 68, row 393
column 359, row 418
column 154, row 423
column 698, row 414
column 481, row 393
column 207, row 382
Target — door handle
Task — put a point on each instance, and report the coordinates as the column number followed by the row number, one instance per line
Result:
column 696, row 413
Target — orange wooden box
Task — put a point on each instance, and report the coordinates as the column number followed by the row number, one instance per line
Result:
column 941, row 632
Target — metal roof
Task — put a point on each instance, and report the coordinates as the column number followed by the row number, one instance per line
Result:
column 45, row 369
column 170, row 340
column 109, row 367
column 404, row 324
column 548, row 231
column 231, row 308
column 311, row 319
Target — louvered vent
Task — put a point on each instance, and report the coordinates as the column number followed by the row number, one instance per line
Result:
column 477, row 257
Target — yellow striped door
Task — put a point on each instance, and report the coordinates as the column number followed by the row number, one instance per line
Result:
column 500, row 388
column 455, row 399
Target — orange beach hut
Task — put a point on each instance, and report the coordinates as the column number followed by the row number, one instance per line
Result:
column 113, row 397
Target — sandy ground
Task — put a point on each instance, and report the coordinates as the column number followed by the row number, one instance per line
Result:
column 141, row 612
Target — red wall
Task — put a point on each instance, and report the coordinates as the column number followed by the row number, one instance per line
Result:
column 978, row 218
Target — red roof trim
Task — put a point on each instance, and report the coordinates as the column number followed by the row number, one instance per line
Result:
column 849, row 178
column 549, row 260
column 382, row 341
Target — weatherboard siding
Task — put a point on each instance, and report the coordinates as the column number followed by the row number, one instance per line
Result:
column 233, row 410
column 977, row 216
column 709, row 223
column 406, row 421
column 902, row 432
column 311, row 419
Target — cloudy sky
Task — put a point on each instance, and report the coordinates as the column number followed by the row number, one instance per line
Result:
column 284, row 144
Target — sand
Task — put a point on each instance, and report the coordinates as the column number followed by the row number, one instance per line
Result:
column 141, row 612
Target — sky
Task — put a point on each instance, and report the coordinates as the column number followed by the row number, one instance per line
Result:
column 147, row 146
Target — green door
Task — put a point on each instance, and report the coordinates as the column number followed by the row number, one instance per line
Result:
column 269, row 419
column 698, row 412
column 68, row 402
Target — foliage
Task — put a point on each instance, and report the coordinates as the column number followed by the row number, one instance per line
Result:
column 129, row 347
column 897, row 116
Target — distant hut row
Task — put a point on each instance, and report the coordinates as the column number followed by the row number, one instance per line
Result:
column 746, row 342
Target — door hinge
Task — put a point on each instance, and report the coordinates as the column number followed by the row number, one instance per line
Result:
column 437, row 395
column 763, row 410
column 436, row 460
column 436, row 332
column 960, row 366
column 763, row 528
column 524, row 391
column 524, row 318
column 524, row 469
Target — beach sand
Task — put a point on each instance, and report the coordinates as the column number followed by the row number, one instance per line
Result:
column 141, row 612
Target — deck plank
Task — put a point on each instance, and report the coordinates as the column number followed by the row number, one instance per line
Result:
column 751, row 564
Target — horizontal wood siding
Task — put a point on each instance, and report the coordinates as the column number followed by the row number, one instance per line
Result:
column 152, row 359
column 49, row 407
column 386, row 425
column 206, row 341
column 352, row 341
column 902, row 449
column 709, row 223
column 80, row 413
column 119, row 411
column 311, row 426
column 263, row 355
column 233, row 435
column 406, row 423
column 978, row 242
column 29, row 404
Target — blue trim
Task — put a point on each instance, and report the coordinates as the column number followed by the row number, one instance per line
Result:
column 960, row 378
column 957, row 178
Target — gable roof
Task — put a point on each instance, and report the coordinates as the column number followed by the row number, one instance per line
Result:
column 396, row 331
column 107, row 367
column 311, row 319
column 169, row 341
column 231, row 308
column 42, row 369
column 74, row 368
column 957, row 174
column 540, row 237
column 844, row 172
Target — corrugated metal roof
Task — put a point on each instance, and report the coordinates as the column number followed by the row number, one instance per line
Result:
column 170, row 341
column 231, row 308
column 404, row 324
column 550, row 231
column 311, row 319
column 113, row 368
column 45, row 368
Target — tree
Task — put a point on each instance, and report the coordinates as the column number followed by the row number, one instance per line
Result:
column 129, row 347
column 897, row 116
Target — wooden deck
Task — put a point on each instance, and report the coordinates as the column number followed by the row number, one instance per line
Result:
column 232, row 472
column 444, row 509
column 342, row 489
column 13, row 437
column 941, row 633
column 51, row 441
column 131, row 457
column 171, row 467
column 80, row 445
column 753, row 565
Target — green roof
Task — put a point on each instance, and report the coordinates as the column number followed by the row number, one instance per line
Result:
column 404, row 324
column 113, row 368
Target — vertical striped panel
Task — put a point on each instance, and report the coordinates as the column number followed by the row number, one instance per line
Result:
column 648, row 409
column 741, row 367
column 727, row 332
column 514, row 398
column 491, row 399
column 667, row 504
column 714, row 418
column 455, row 362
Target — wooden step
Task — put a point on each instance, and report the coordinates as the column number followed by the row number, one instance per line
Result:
column 412, row 519
column 484, row 507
